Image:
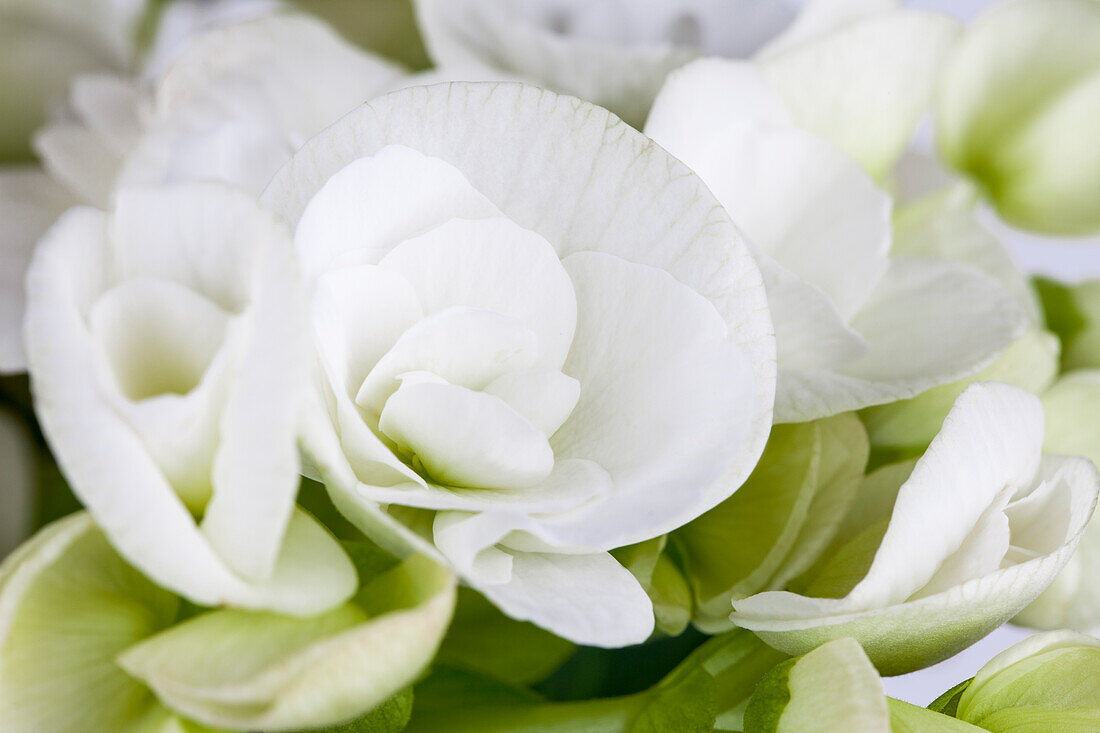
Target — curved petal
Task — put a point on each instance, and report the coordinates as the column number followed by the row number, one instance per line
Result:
column 698, row 103
column 466, row 438
column 495, row 265
column 804, row 204
column 583, row 181
column 545, row 397
column 376, row 201
column 661, row 406
column 68, row 606
column 588, row 599
column 818, row 18
column 270, row 672
column 926, row 324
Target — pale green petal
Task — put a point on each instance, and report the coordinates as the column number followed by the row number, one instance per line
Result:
column 663, row 582
column 833, row 688
column 68, row 605
column 906, row 718
column 1020, row 116
column 261, row 670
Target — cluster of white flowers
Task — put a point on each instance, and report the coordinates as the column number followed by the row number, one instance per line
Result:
column 623, row 315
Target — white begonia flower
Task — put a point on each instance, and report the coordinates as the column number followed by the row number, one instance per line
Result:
column 232, row 107
column 165, row 348
column 1020, row 116
column 540, row 339
column 44, row 44
column 17, row 482
column 854, row 326
column 979, row 529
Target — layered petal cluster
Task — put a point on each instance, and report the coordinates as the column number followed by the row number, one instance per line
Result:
column 231, row 106
column 784, row 145
column 1020, row 117
column 166, row 350
column 539, row 339
column 981, row 526
column 89, row 643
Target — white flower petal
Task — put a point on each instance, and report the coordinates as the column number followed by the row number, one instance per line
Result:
column 495, row 265
column 844, row 86
column 240, row 99
column 466, row 438
column 804, row 204
column 926, row 324
column 377, row 201
column 78, row 158
column 662, row 399
column 358, row 315
column 818, row 18
column 109, row 106
column 700, row 101
column 30, row 201
column 464, row 346
column 545, row 397
column 588, row 599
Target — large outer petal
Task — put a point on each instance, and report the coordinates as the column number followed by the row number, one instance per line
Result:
column 111, row 470
column 30, row 201
column 583, row 180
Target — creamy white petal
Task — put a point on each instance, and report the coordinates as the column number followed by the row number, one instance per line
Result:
column 495, row 265
column 588, row 599
column 464, row 346
column 110, row 107
column 805, row 204
column 662, row 400
column 466, row 438
column 818, row 18
column 78, row 158
column 374, row 203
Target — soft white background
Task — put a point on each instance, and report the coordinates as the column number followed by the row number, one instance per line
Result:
column 1066, row 259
